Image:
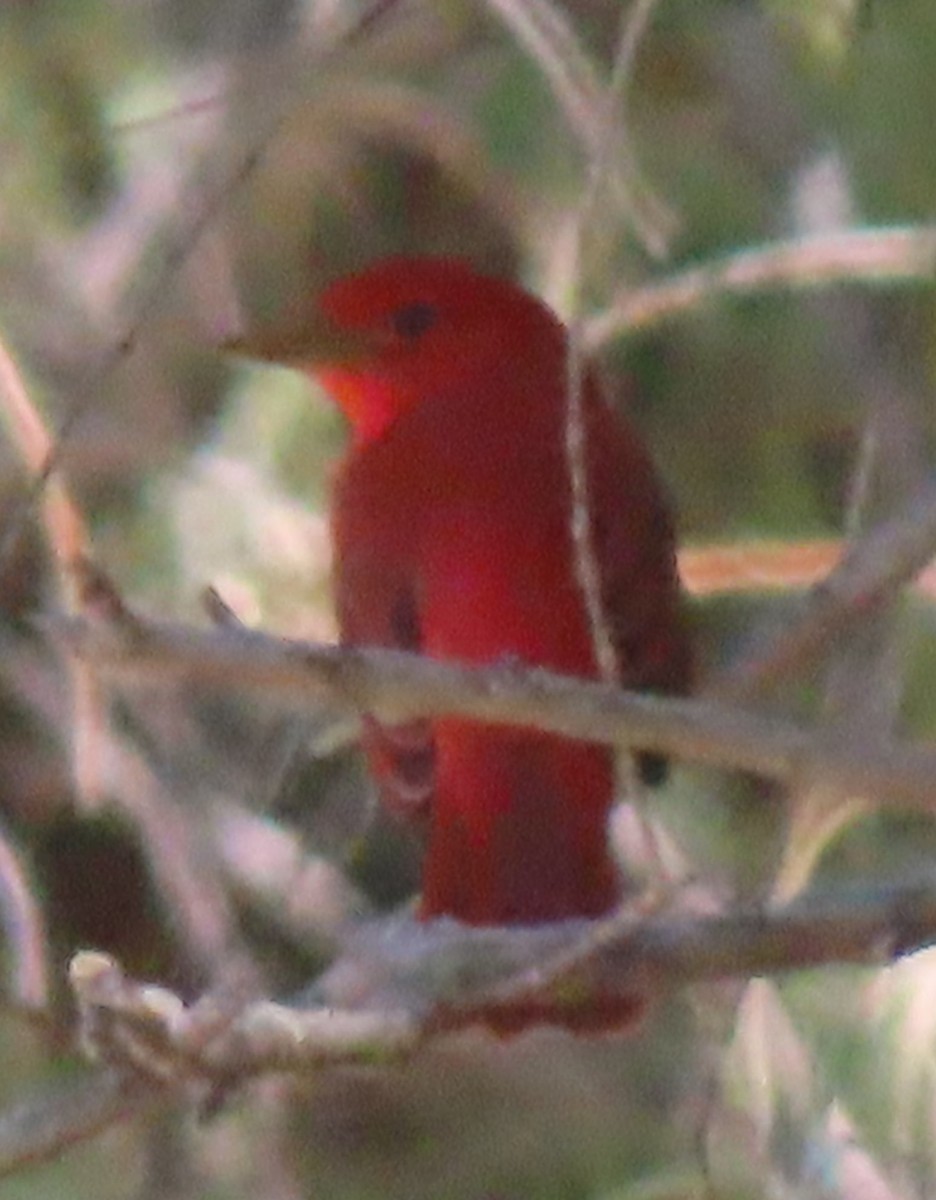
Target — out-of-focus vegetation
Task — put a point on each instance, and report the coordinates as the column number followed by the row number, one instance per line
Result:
column 180, row 170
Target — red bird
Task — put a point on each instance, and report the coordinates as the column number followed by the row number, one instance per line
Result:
column 452, row 528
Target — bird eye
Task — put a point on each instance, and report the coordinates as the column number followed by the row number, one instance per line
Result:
column 413, row 320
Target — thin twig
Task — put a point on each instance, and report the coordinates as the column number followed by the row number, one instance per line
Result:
column 65, row 525
column 544, row 32
column 870, row 574
column 40, row 1129
column 587, row 568
column 102, row 765
column 185, row 868
column 885, row 255
column 24, row 936
column 861, row 675
column 68, row 538
column 607, row 139
column 304, row 895
column 204, row 216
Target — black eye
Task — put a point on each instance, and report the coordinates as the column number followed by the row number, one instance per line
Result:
column 413, row 320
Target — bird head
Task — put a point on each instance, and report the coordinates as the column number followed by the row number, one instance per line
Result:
column 404, row 330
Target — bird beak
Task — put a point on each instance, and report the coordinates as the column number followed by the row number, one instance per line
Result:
column 307, row 341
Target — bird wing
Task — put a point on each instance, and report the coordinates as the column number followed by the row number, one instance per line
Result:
column 375, row 597
column 634, row 543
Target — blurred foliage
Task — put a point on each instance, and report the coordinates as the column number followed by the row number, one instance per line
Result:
column 128, row 129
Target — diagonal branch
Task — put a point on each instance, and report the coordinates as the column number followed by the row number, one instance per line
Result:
column 869, row 576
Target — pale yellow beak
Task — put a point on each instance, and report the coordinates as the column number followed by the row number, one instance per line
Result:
column 305, row 339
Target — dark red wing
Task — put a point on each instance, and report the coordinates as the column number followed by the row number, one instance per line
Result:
column 377, row 607
column 635, row 544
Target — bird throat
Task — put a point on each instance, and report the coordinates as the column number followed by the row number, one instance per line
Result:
column 370, row 405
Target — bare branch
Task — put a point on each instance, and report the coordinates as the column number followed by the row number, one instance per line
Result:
column 184, row 866
column 885, row 255
column 200, row 1047
column 581, row 517
column 398, row 687
column 70, row 544
column 862, row 674
column 199, row 218
column 64, row 523
column 24, row 936
column 40, row 1129
column 403, row 981
column 304, row 895
column 869, row 576
column 542, row 29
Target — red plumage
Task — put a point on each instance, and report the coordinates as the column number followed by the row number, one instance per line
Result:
column 452, row 536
